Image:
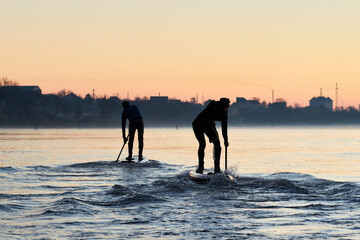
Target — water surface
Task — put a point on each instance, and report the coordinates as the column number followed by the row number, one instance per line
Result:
column 290, row 183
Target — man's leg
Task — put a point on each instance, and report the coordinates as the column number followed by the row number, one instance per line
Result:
column 201, row 155
column 131, row 140
column 216, row 155
column 141, row 140
column 201, row 150
column 214, row 138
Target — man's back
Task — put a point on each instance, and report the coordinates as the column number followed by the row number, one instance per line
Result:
column 131, row 112
column 213, row 112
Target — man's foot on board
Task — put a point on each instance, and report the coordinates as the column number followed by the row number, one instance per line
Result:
column 140, row 158
column 129, row 158
column 199, row 170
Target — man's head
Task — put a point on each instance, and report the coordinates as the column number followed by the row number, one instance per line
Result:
column 225, row 102
column 125, row 104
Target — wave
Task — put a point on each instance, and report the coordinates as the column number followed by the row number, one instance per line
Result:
column 300, row 183
column 5, row 208
column 140, row 199
column 134, row 221
column 318, row 206
column 91, row 164
column 39, row 168
column 291, row 176
column 276, row 185
column 272, row 187
column 122, row 195
column 7, row 169
column 148, row 164
column 181, row 184
column 119, row 190
column 110, row 164
column 70, row 206
column 343, row 189
column 169, row 185
column 127, row 200
column 10, row 207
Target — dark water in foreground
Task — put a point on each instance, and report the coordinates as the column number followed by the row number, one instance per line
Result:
column 99, row 200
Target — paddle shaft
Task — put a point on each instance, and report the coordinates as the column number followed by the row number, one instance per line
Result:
column 122, row 149
column 225, row 158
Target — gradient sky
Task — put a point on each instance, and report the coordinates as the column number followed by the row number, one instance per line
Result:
column 182, row 48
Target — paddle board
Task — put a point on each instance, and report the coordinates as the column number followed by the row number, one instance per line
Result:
column 205, row 176
column 134, row 159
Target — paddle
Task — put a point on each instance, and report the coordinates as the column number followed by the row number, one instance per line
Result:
column 122, row 149
column 225, row 158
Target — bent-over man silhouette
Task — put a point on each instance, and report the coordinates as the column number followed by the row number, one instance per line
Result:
column 204, row 125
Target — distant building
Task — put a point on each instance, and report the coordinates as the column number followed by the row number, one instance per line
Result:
column 250, row 104
column 176, row 101
column 114, row 99
column 29, row 95
column 72, row 98
column 88, row 99
column 90, row 106
column 193, row 100
column 21, row 90
column 321, row 101
column 159, row 99
column 240, row 100
column 277, row 106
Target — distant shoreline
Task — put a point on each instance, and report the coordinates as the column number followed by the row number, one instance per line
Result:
column 189, row 126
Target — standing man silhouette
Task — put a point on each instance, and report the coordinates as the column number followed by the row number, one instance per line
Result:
column 132, row 113
column 204, row 125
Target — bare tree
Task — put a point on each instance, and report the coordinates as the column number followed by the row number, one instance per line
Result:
column 280, row 100
column 5, row 82
column 63, row 93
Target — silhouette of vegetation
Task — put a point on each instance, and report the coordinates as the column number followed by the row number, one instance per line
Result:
column 5, row 82
column 26, row 106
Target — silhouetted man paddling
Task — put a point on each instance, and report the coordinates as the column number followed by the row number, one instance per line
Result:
column 204, row 124
column 136, row 122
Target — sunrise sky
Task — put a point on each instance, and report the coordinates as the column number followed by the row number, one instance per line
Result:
column 182, row 48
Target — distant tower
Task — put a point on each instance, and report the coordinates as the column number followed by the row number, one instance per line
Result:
column 321, row 92
column 336, row 97
column 93, row 93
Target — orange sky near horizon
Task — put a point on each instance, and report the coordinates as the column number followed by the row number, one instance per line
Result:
column 185, row 48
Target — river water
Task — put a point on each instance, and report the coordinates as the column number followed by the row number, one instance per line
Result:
column 290, row 183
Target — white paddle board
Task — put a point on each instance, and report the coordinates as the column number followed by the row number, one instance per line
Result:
column 134, row 159
column 205, row 176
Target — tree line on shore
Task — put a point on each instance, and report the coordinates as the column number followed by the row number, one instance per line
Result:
column 66, row 109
